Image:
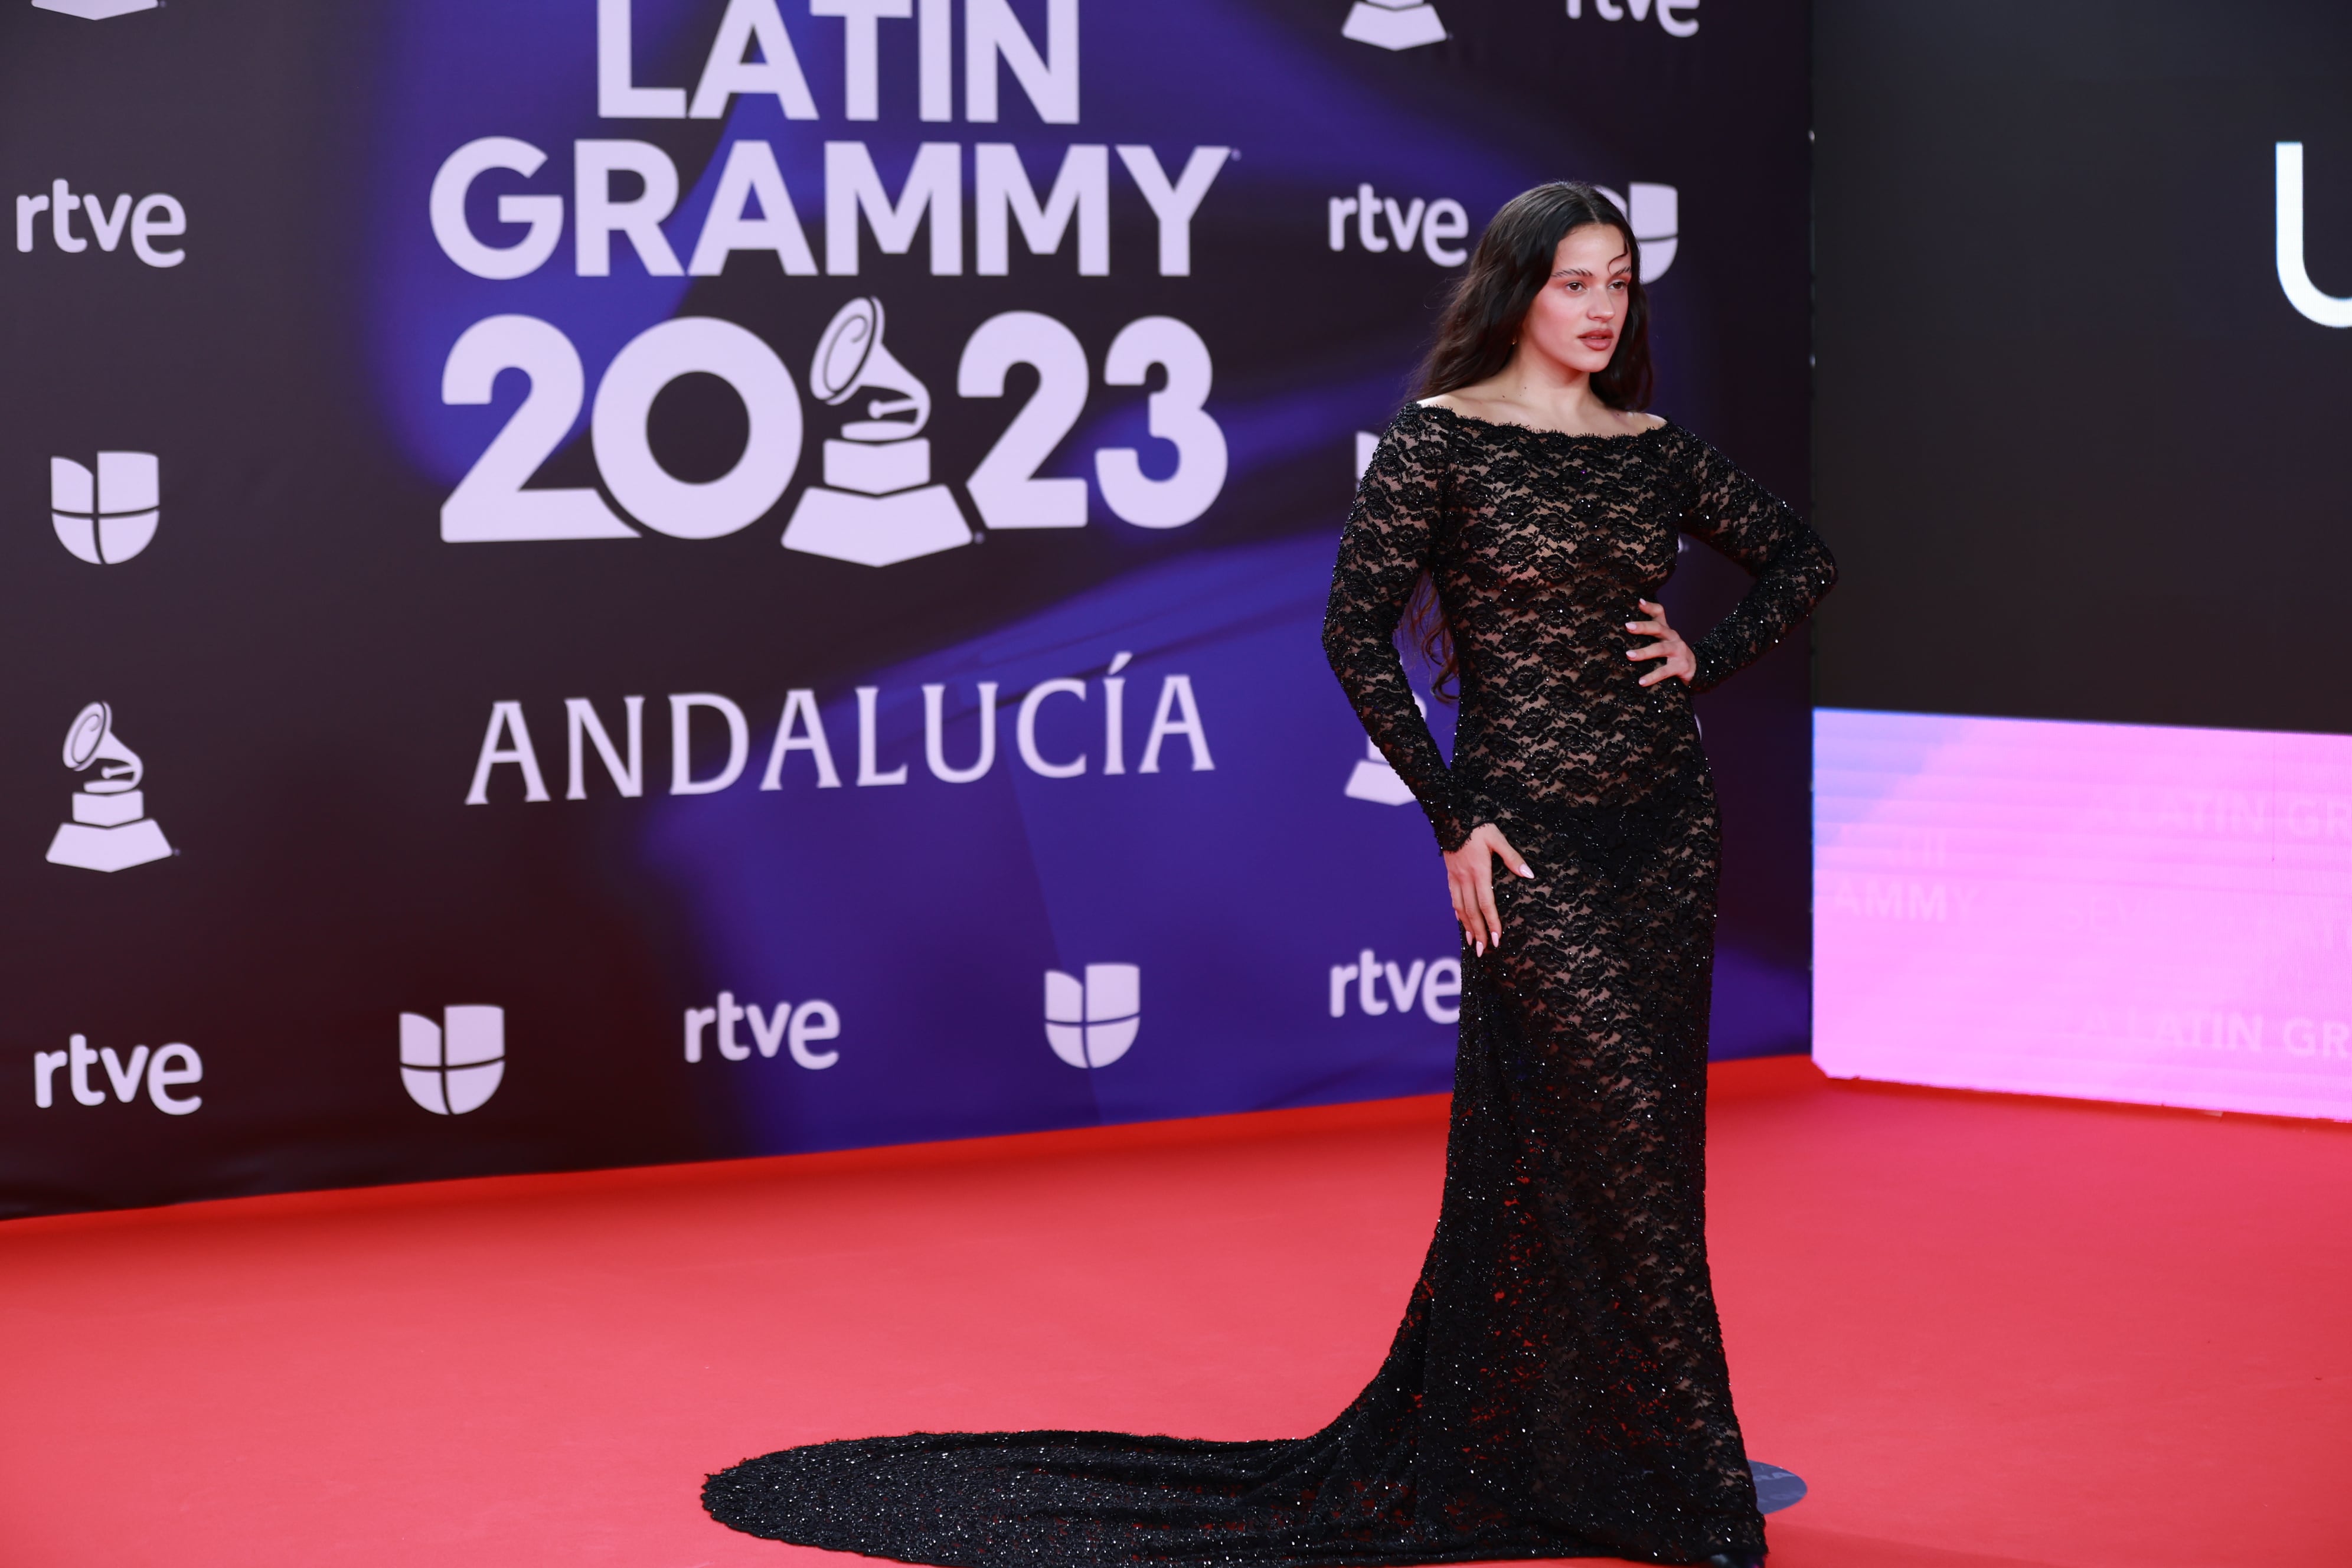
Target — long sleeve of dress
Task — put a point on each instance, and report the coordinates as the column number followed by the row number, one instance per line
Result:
column 1763, row 533
column 1388, row 540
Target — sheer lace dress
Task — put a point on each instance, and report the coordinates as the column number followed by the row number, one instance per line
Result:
column 1556, row 1387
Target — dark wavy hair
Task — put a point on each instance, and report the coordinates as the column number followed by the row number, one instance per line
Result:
column 1479, row 330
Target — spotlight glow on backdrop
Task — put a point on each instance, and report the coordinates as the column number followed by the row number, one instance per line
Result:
column 2113, row 911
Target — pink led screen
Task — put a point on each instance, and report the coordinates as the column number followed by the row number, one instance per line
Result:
column 2109, row 912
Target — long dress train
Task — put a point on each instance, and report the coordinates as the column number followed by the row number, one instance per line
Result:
column 1557, row 1387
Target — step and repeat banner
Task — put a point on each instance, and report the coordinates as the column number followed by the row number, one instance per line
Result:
column 597, row 582
column 2084, row 782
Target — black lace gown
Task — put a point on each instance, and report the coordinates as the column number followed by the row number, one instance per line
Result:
column 1558, row 1385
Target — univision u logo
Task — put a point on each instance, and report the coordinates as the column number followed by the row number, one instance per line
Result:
column 1090, row 1022
column 2327, row 309
column 455, row 1066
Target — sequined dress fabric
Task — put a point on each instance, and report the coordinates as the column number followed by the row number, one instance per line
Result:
column 1556, row 1387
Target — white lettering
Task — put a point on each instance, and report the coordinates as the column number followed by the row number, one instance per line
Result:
column 45, row 1077
column 598, row 217
column 1403, row 223
column 814, row 1021
column 490, row 502
column 1341, row 974
column 935, row 48
column 2295, row 277
column 617, row 95
column 861, row 49
column 107, row 226
column 751, row 172
column 992, row 32
column 1176, row 413
column 1024, row 729
column 163, row 1077
column 867, row 771
column 543, row 214
column 800, row 707
column 934, row 738
column 28, row 209
column 681, row 743
column 82, row 1059
column 1001, row 187
column 726, row 72
column 506, row 719
column 729, row 1014
column 1444, row 979
column 125, row 1079
column 1174, row 205
column 581, row 719
column 1115, row 716
column 1368, row 212
column 934, row 185
column 1175, row 694
column 1368, row 974
column 158, row 216
column 63, row 203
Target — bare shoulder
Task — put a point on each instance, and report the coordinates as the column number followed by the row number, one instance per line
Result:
column 1483, row 402
column 1650, row 422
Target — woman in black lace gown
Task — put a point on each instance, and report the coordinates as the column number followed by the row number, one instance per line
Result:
column 1558, row 1387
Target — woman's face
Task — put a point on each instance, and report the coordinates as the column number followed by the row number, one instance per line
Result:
column 1578, row 312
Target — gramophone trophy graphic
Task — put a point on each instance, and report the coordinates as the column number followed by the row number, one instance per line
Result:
column 1397, row 24
column 878, row 505
column 110, row 831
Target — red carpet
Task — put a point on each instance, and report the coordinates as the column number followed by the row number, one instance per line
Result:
column 1990, row 1332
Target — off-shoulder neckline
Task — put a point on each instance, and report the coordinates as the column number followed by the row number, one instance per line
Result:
column 1663, row 424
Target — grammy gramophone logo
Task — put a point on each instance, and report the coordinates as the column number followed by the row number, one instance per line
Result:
column 878, row 505
column 1393, row 24
column 96, row 10
column 111, row 829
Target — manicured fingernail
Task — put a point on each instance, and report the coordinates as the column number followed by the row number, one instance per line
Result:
column 1482, row 949
column 1526, row 871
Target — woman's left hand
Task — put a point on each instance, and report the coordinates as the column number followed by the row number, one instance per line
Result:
column 1678, row 658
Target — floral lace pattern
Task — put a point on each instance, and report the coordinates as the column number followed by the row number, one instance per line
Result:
column 1556, row 1387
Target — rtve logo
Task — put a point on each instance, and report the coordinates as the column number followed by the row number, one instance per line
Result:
column 162, row 1072
column 1612, row 11
column 455, row 1066
column 1435, row 982
column 147, row 220
column 1409, row 23
column 1091, row 1023
column 783, row 1024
